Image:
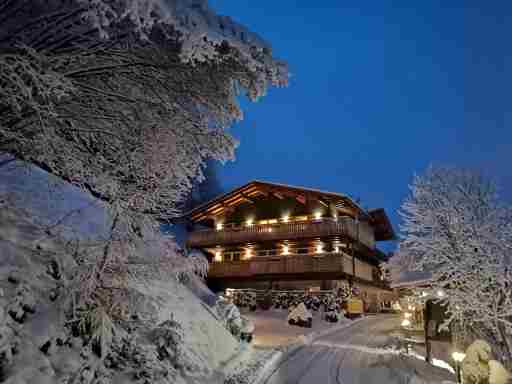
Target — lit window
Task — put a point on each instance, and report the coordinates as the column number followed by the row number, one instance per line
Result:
column 219, row 226
column 248, row 253
column 218, row 256
column 286, row 250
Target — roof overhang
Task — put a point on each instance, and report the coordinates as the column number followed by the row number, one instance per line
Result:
column 249, row 191
column 382, row 225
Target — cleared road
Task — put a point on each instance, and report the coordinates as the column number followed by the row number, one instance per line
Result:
column 354, row 355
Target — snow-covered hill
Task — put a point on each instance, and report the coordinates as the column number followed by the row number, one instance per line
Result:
column 169, row 337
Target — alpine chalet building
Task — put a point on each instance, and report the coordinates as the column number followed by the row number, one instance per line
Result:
column 273, row 236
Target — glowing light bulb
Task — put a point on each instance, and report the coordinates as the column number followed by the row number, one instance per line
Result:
column 249, row 222
column 219, row 226
column 286, row 250
column 440, row 293
column 406, row 323
column 319, row 248
column 317, row 215
column 218, row 256
column 286, row 218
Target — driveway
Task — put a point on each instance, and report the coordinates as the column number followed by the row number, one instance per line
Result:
column 354, row 355
column 272, row 329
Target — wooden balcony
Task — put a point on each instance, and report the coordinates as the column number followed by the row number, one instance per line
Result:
column 324, row 266
column 343, row 227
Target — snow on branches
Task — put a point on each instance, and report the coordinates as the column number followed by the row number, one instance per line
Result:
column 455, row 227
column 108, row 96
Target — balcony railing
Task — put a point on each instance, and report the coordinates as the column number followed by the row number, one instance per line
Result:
column 282, row 265
column 344, row 227
column 336, row 265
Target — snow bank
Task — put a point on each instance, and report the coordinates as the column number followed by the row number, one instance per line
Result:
column 300, row 313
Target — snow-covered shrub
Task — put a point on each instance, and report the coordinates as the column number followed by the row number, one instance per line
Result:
column 333, row 312
column 498, row 373
column 457, row 230
column 300, row 316
column 229, row 315
column 244, row 299
column 168, row 337
column 475, row 366
column 96, row 325
column 281, row 300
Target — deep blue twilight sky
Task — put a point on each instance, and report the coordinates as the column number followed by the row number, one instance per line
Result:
column 379, row 91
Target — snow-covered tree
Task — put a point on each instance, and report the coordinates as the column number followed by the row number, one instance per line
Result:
column 456, row 228
column 127, row 100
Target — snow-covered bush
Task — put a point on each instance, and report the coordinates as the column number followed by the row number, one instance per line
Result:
column 498, row 373
column 300, row 316
column 245, row 299
column 456, row 228
column 333, row 311
column 229, row 316
column 475, row 366
column 168, row 337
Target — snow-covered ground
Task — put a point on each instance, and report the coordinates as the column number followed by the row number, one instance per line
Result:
column 357, row 354
column 272, row 329
column 38, row 347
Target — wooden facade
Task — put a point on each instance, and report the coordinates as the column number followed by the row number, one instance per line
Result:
column 267, row 232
